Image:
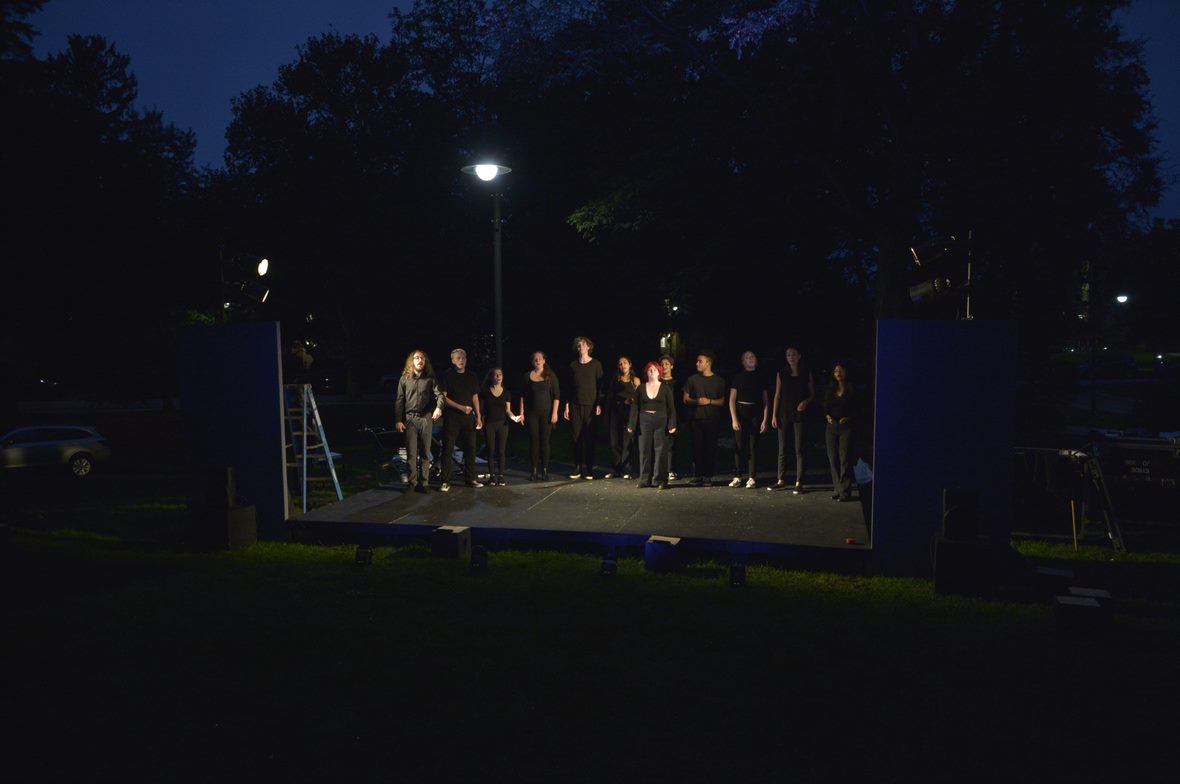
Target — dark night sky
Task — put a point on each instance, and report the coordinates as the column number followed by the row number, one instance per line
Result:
column 192, row 58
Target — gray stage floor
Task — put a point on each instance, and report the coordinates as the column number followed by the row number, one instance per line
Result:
column 614, row 507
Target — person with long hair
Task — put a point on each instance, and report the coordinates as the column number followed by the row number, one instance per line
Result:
column 839, row 405
column 583, row 406
column 540, row 396
column 748, row 410
column 794, row 389
column 654, row 415
column 620, row 399
column 419, row 404
column 496, row 403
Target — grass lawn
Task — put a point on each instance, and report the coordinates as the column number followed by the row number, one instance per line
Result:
column 289, row 662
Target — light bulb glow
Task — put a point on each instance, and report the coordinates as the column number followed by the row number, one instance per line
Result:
column 486, row 171
column 263, row 266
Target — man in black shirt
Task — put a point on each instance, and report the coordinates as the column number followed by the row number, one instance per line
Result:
column 419, row 405
column 704, row 397
column 461, row 418
column 584, row 405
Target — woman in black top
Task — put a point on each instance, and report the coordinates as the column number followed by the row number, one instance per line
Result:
column 839, row 404
column 496, row 403
column 540, row 395
column 794, row 389
column 654, row 414
column 748, row 411
column 620, row 399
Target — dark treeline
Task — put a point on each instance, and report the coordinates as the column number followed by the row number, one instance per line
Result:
column 764, row 167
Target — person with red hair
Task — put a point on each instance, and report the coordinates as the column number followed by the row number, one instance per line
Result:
column 654, row 415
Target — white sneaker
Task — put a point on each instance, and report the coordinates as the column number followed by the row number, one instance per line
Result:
column 575, row 476
column 737, row 482
column 672, row 476
column 750, row 482
column 609, row 475
column 626, row 476
column 446, row 488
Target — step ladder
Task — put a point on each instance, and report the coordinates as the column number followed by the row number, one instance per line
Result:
column 305, row 436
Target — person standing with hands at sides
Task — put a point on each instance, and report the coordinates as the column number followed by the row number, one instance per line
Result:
column 654, row 414
column 620, row 399
column 748, row 410
column 667, row 364
column 419, row 404
column 704, row 397
column 583, row 405
column 839, row 404
column 461, row 418
column 539, row 400
column 496, row 404
column 794, row 389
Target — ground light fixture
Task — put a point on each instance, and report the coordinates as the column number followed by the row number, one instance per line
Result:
column 1122, row 299
column 364, row 555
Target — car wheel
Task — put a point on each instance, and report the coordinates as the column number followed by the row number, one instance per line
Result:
column 81, row 464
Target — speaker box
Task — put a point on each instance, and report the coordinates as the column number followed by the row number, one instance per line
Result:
column 451, row 541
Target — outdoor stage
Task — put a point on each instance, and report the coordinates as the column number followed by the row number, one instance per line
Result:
column 712, row 521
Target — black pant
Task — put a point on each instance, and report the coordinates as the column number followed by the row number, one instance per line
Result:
column 582, row 423
column 620, row 439
column 458, row 427
column 745, row 439
column 418, row 430
column 704, row 446
column 785, row 430
column 540, row 429
column 497, row 436
column 654, row 454
column 839, row 441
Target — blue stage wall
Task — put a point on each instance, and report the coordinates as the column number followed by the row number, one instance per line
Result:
column 945, row 398
column 231, row 392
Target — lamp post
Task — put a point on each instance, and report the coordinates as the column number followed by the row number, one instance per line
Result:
column 488, row 172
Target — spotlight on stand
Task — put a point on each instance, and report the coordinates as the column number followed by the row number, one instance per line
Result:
column 241, row 279
column 364, row 555
column 930, row 290
column 610, row 564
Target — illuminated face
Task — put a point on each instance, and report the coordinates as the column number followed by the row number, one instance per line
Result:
column 497, row 377
column 653, row 374
column 703, row 363
column 793, row 357
column 538, row 361
column 459, row 361
column 419, row 361
column 749, row 360
column 666, row 366
column 624, row 366
column 839, row 373
column 582, row 348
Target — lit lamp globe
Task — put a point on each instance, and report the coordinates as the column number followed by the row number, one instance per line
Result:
column 486, row 171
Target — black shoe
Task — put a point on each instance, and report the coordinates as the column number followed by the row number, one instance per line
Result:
column 835, row 496
column 545, row 475
column 663, row 485
column 845, row 498
column 643, row 484
column 422, row 489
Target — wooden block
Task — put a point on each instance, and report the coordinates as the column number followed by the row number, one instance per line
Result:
column 660, row 553
column 451, row 541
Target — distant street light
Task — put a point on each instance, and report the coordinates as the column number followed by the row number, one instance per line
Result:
column 1121, row 299
column 488, row 172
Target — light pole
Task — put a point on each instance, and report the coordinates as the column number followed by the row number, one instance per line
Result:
column 489, row 172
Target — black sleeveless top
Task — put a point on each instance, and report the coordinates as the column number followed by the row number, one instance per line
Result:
column 793, row 390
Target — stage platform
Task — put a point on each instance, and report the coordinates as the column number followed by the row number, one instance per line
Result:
column 715, row 520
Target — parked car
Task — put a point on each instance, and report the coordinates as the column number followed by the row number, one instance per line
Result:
column 76, row 446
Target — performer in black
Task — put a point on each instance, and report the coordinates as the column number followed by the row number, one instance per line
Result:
column 748, row 411
column 794, row 389
column 654, row 414
column 839, row 405
column 704, row 397
column 419, row 404
column 495, row 401
column 620, row 397
column 667, row 365
column 540, row 395
column 461, row 419
column 583, row 405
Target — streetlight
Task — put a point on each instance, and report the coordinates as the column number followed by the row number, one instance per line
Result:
column 488, row 172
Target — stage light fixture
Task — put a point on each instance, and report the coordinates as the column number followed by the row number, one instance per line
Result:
column 364, row 555
column 929, row 290
column 926, row 253
column 610, row 564
column 737, row 574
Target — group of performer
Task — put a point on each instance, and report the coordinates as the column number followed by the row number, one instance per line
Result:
column 644, row 411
